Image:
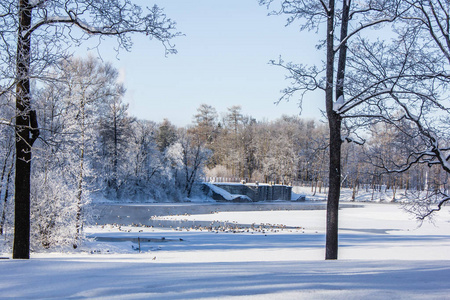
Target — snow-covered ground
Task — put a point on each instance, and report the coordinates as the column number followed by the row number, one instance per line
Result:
column 383, row 255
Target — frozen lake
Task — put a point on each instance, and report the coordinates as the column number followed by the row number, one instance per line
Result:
column 145, row 214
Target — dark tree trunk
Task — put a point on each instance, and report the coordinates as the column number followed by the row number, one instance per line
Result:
column 26, row 133
column 334, row 186
column 21, row 247
column 22, row 196
column 335, row 145
column 334, row 122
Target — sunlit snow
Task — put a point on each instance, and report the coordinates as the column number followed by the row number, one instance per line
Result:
column 384, row 254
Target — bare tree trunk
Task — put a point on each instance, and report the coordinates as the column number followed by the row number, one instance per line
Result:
column 373, row 188
column 331, row 247
column 334, row 123
column 334, row 188
column 394, row 190
column 355, row 184
column 79, row 219
column 26, row 125
column 315, row 187
column 115, row 159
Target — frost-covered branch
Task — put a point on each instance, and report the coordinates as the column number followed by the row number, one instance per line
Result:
column 433, row 210
column 427, row 207
column 118, row 18
column 361, row 28
column 303, row 79
column 433, row 16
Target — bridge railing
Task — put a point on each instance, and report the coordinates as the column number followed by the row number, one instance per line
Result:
column 226, row 179
column 241, row 180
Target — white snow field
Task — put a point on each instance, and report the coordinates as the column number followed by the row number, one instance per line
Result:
column 383, row 255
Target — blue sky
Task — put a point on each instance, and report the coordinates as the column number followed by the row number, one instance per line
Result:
column 222, row 60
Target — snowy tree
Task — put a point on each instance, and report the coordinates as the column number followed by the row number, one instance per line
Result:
column 145, row 162
column 89, row 85
column 262, row 144
column 284, row 150
column 54, row 210
column 341, row 26
column 234, row 120
column 247, row 137
column 313, row 153
column 166, row 135
column 53, row 196
column 115, row 131
column 188, row 155
column 404, row 84
column 280, row 162
column 206, row 122
column 426, row 107
column 68, row 108
column 7, row 155
column 35, row 35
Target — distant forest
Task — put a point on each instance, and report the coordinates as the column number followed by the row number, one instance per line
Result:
column 91, row 148
column 90, row 144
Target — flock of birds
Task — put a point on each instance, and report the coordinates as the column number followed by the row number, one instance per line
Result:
column 213, row 226
column 180, row 225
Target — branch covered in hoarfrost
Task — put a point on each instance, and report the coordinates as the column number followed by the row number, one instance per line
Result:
column 304, row 79
column 115, row 18
column 362, row 27
column 427, row 207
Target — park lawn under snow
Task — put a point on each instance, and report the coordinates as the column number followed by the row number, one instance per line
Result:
column 383, row 255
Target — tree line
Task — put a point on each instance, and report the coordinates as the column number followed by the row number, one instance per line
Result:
column 90, row 147
column 293, row 150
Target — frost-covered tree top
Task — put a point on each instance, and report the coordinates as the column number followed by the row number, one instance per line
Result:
column 58, row 25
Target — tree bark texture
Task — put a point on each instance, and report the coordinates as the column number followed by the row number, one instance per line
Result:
column 21, row 248
column 79, row 215
column 334, row 123
column 334, row 187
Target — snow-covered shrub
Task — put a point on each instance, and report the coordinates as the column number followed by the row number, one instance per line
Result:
column 53, row 211
column 188, row 157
